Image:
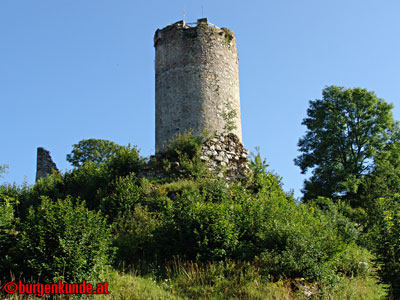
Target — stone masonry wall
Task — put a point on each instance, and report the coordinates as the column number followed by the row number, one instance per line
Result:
column 44, row 164
column 225, row 153
column 197, row 80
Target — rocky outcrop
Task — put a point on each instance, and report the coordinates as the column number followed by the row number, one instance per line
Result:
column 44, row 164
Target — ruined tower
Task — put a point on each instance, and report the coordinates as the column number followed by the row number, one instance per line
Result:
column 44, row 163
column 197, row 81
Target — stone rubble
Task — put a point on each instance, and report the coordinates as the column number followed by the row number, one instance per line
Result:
column 224, row 154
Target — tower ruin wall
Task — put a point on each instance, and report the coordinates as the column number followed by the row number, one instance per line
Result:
column 197, row 81
column 44, row 163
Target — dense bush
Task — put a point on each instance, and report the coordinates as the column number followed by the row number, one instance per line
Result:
column 7, row 234
column 93, row 181
column 354, row 261
column 186, row 213
column 61, row 241
column 338, row 213
column 181, row 159
column 135, row 231
column 89, row 182
column 262, row 181
column 194, row 227
column 387, row 243
column 126, row 193
column 209, row 220
column 294, row 241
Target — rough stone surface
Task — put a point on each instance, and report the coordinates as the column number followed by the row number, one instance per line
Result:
column 44, row 164
column 229, row 158
column 197, row 80
column 229, row 162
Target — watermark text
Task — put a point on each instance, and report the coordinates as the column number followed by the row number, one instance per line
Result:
column 40, row 289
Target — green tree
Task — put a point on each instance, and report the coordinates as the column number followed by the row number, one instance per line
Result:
column 94, row 150
column 384, row 180
column 345, row 131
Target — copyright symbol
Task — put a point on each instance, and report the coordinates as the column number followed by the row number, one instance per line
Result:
column 10, row 287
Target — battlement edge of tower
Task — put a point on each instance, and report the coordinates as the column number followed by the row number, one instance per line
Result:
column 192, row 30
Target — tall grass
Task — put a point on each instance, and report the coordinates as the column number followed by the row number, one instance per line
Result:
column 219, row 280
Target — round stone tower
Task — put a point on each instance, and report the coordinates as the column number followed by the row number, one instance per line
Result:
column 197, row 81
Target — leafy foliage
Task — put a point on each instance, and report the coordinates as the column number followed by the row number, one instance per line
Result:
column 91, row 181
column 197, row 228
column 209, row 220
column 355, row 261
column 262, row 181
column 187, row 214
column 387, row 243
column 345, row 131
column 230, row 116
column 135, row 230
column 184, row 144
column 7, row 234
column 94, row 150
column 63, row 241
column 182, row 158
column 384, row 180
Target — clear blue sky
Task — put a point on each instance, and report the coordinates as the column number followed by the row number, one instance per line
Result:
column 72, row 70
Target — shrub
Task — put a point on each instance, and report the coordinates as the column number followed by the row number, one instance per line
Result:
column 297, row 246
column 334, row 211
column 184, row 151
column 19, row 196
column 51, row 186
column 124, row 161
column 354, row 261
column 124, row 195
column 261, row 181
column 288, row 240
column 93, row 181
column 187, row 144
column 193, row 227
column 209, row 220
column 135, row 231
column 89, row 182
column 7, row 235
column 63, row 241
column 387, row 243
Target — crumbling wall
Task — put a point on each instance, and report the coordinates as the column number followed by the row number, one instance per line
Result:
column 44, row 163
column 226, row 156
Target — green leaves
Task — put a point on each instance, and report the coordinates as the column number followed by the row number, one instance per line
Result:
column 94, row 150
column 63, row 241
column 384, row 180
column 387, row 243
column 188, row 214
column 345, row 131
